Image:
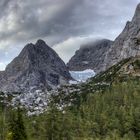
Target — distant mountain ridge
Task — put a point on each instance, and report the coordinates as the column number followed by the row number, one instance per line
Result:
column 104, row 54
column 36, row 67
column 39, row 67
column 90, row 56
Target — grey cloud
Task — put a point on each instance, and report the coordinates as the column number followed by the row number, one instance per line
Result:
column 74, row 18
column 3, row 6
column 23, row 21
column 27, row 20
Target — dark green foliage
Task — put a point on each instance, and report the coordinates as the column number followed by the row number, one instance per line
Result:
column 107, row 107
column 16, row 126
column 111, row 73
column 112, row 115
column 136, row 64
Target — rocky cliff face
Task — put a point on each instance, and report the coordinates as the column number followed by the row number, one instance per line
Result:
column 36, row 67
column 127, row 44
column 90, row 56
column 104, row 54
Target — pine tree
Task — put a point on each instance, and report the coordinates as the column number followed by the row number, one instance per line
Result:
column 16, row 126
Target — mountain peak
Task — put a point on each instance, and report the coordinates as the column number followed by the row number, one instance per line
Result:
column 37, row 67
column 90, row 56
column 137, row 13
column 138, row 8
column 39, row 45
column 40, row 42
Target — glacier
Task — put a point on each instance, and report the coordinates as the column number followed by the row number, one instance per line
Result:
column 81, row 76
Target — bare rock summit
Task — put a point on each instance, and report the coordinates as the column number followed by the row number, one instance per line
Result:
column 36, row 67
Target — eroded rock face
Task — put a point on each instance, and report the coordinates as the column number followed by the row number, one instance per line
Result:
column 36, row 67
column 127, row 44
column 90, row 56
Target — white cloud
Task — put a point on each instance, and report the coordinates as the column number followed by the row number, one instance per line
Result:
column 67, row 48
column 2, row 66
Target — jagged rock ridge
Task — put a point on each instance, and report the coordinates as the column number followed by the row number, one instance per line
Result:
column 127, row 44
column 36, row 67
column 90, row 56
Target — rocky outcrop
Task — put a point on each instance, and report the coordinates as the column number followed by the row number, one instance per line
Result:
column 90, row 56
column 36, row 67
column 127, row 44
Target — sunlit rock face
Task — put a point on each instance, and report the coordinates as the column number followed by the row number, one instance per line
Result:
column 36, row 67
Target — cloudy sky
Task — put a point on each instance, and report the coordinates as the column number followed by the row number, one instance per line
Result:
column 63, row 24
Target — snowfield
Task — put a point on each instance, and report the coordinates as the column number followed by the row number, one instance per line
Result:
column 81, row 76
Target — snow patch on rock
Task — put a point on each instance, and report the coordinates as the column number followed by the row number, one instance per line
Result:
column 81, row 76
